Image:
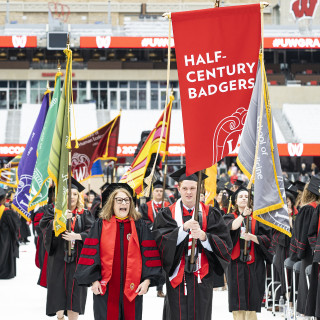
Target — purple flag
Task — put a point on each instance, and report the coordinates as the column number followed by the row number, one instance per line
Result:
column 28, row 161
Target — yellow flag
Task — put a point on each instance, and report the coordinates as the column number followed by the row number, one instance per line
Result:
column 210, row 184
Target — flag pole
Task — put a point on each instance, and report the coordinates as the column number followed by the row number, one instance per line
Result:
column 69, row 175
column 165, row 164
column 148, row 180
column 196, row 209
column 262, row 6
column 196, row 215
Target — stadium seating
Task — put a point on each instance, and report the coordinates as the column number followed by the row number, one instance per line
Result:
column 305, row 121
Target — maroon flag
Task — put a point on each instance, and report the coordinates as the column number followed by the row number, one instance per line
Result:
column 100, row 144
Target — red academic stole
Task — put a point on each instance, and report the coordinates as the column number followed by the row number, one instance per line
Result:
column 236, row 250
column 134, row 259
column 150, row 209
column 204, row 268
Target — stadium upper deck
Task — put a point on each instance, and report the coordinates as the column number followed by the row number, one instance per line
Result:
column 120, row 58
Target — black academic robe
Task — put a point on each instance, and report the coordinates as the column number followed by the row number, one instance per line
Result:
column 149, row 212
column 280, row 248
column 63, row 293
column 191, row 299
column 24, row 230
column 246, row 280
column 300, row 249
column 313, row 299
column 41, row 258
column 91, row 267
column 9, row 244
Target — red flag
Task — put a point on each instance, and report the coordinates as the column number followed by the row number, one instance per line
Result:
column 217, row 53
column 100, row 144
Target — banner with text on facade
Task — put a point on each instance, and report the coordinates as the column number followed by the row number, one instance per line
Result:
column 99, row 144
column 217, row 54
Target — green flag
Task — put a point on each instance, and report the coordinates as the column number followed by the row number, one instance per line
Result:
column 40, row 179
column 58, row 159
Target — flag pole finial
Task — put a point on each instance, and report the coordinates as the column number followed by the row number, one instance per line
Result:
column 59, row 65
column 48, row 85
column 167, row 15
column 264, row 4
column 217, row 4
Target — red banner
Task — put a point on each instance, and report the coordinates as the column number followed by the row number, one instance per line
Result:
column 100, row 144
column 18, row 41
column 217, row 54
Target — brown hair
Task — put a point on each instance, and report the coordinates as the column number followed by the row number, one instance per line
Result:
column 307, row 196
column 107, row 211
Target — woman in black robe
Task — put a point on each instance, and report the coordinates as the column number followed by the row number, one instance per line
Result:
column 119, row 258
column 313, row 299
column 280, row 246
column 9, row 245
column 64, row 296
column 299, row 247
column 246, row 274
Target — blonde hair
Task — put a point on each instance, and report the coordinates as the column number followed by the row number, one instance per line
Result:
column 80, row 204
column 308, row 197
column 108, row 209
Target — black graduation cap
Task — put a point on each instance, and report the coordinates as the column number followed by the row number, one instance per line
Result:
column 2, row 193
column 290, row 187
column 300, row 185
column 104, row 186
column 180, row 175
column 158, row 184
column 230, row 193
column 314, row 185
column 76, row 185
column 235, row 194
column 238, row 182
column 114, row 186
column 91, row 192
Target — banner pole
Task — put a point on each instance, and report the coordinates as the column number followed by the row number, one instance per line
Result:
column 148, row 180
column 261, row 57
column 196, row 215
column 69, row 175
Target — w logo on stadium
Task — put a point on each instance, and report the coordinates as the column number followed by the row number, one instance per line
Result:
column 295, row 149
column 303, row 9
column 103, row 41
column 19, row 41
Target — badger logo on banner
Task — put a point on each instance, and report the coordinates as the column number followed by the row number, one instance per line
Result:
column 80, row 164
column 303, row 9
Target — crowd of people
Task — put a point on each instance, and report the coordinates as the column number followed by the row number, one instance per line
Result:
column 120, row 246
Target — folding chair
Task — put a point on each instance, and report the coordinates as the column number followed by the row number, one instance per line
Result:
column 296, row 270
column 273, row 283
column 288, row 267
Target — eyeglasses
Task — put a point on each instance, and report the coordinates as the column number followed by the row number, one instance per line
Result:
column 120, row 200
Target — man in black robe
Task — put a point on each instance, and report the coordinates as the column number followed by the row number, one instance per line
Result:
column 9, row 244
column 189, row 286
